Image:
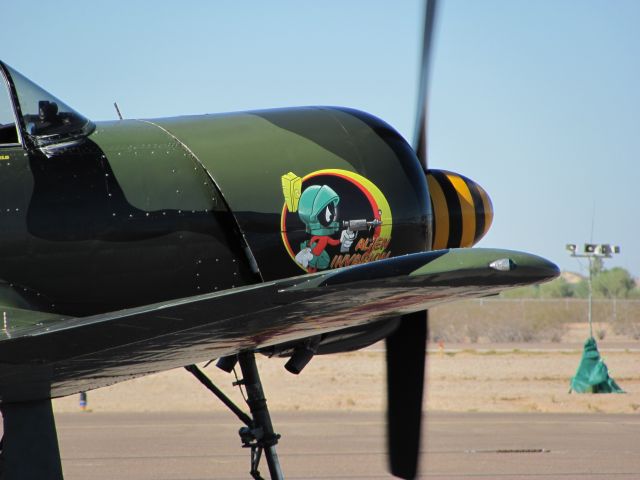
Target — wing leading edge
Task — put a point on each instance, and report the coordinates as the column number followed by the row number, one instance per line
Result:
column 45, row 356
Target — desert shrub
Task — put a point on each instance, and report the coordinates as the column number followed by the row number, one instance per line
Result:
column 626, row 318
column 558, row 288
column 528, row 320
column 614, row 283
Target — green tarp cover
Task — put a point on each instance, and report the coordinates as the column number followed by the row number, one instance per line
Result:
column 592, row 375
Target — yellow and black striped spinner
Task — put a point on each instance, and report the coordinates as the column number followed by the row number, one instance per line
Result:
column 462, row 210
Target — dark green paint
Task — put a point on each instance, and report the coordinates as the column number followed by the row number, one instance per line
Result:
column 154, row 170
column 479, row 258
column 128, row 247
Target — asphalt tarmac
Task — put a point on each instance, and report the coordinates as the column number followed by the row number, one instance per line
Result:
column 350, row 445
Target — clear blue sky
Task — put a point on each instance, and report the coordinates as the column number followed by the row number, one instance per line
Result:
column 538, row 101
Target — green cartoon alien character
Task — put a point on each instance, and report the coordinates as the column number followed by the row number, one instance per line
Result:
column 318, row 210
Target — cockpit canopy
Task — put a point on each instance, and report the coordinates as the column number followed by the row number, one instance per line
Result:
column 42, row 118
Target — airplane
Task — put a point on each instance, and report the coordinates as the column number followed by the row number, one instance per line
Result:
column 130, row 247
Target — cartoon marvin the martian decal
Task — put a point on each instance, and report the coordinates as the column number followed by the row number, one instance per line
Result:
column 334, row 218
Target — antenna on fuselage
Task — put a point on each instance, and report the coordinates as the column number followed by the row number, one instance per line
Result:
column 115, row 104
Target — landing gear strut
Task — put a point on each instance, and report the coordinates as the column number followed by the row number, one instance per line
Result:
column 262, row 435
column 258, row 434
column 30, row 443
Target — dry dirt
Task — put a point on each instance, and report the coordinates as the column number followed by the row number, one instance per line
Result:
column 461, row 380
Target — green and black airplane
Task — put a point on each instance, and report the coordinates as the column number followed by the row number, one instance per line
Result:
column 135, row 246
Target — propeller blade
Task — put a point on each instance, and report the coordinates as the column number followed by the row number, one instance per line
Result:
column 420, row 134
column 406, row 346
column 406, row 349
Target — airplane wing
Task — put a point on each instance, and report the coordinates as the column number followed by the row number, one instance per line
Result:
column 44, row 355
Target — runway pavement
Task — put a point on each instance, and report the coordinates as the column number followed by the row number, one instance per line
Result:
column 350, row 445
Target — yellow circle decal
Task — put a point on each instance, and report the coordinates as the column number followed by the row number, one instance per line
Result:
column 334, row 218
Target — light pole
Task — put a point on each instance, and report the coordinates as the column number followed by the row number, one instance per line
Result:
column 591, row 251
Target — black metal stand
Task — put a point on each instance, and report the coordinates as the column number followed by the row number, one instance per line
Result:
column 258, row 435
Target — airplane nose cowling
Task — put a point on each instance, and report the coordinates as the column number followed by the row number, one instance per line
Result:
column 312, row 188
column 462, row 210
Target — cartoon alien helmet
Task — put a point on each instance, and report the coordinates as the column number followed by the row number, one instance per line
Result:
column 318, row 209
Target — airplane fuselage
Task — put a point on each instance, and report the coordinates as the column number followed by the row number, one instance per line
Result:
column 141, row 211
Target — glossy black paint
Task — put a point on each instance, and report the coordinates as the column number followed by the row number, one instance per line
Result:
column 95, row 252
column 66, row 356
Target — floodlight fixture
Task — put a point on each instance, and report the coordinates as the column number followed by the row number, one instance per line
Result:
column 591, row 251
column 604, row 249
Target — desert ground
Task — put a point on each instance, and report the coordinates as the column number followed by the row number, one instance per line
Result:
column 460, row 378
column 495, row 409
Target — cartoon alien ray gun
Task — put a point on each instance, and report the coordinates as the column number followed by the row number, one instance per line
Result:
column 317, row 208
